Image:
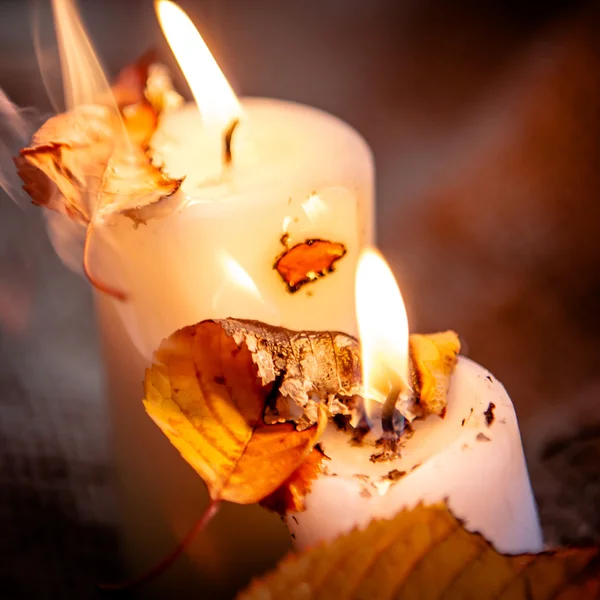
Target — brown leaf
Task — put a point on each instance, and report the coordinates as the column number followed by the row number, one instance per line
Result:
column 315, row 368
column 289, row 497
column 433, row 359
column 308, row 261
column 91, row 163
column 67, row 154
column 426, row 553
column 204, row 392
column 218, row 389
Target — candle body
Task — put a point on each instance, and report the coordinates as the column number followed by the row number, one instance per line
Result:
column 473, row 459
column 298, row 174
column 298, row 171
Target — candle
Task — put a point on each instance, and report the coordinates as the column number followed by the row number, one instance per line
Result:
column 295, row 174
column 472, row 457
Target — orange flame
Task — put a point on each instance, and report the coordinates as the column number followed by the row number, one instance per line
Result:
column 216, row 100
column 383, row 328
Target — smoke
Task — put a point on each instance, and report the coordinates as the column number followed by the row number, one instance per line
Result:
column 16, row 127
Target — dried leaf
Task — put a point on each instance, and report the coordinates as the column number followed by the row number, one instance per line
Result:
column 224, row 393
column 426, row 553
column 313, row 368
column 308, row 261
column 433, row 359
column 65, row 152
column 289, row 497
column 91, row 163
column 205, row 393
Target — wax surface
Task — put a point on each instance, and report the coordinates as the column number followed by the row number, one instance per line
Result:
column 296, row 171
column 473, row 458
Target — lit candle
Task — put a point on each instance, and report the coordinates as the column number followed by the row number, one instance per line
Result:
column 294, row 174
column 473, row 457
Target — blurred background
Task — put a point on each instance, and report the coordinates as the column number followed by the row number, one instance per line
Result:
column 484, row 118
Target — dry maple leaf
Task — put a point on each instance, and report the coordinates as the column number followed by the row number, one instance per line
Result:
column 90, row 163
column 205, row 393
column 426, row 553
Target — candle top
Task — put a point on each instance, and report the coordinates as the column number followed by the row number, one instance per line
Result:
column 278, row 146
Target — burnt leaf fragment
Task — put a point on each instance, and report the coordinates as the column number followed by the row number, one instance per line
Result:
column 489, row 414
column 91, row 163
column 308, row 261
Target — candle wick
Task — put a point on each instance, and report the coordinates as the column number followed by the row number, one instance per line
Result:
column 388, row 410
column 227, row 156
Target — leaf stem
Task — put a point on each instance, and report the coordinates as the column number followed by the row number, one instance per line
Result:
column 99, row 285
column 164, row 563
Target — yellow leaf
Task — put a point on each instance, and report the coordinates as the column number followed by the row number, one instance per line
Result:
column 289, row 497
column 204, row 392
column 426, row 553
column 433, row 359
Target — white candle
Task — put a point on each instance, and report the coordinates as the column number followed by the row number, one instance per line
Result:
column 472, row 457
column 294, row 170
column 479, row 469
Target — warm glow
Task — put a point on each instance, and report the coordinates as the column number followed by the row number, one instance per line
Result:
column 314, row 207
column 287, row 221
column 239, row 277
column 213, row 94
column 382, row 327
column 238, row 296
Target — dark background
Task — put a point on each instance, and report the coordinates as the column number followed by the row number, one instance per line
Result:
column 484, row 118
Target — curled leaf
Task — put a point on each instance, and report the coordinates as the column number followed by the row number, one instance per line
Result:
column 426, row 553
column 433, row 359
column 308, row 261
column 245, row 403
column 90, row 163
column 205, row 393
column 289, row 497
column 66, row 152
column 314, row 369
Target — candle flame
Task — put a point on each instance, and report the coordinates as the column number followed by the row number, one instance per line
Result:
column 382, row 327
column 216, row 100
